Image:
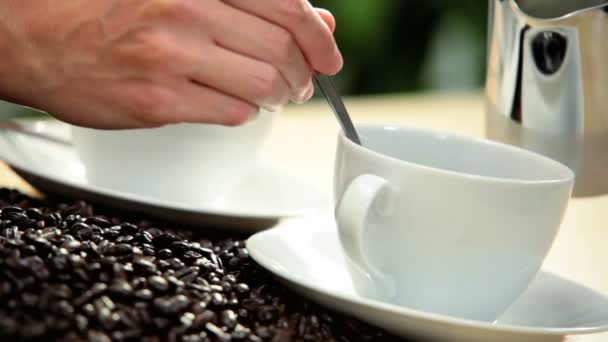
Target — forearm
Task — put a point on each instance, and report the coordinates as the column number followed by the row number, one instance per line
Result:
column 34, row 40
column 10, row 47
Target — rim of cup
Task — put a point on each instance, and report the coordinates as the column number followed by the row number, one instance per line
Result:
column 557, row 168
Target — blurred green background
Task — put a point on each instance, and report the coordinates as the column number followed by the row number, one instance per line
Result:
column 395, row 46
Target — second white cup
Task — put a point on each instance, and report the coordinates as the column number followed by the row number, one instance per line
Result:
column 190, row 164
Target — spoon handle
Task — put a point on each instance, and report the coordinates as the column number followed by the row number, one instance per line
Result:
column 335, row 102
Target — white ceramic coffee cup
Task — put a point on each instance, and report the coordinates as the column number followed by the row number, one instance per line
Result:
column 186, row 163
column 444, row 223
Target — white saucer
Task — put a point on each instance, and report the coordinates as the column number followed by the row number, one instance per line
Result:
column 265, row 196
column 305, row 253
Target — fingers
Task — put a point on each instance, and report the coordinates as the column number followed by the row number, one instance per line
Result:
column 328, row 18
column 245, row 78
column 259, row 39
column 180, row 100
column 207, row 105
column 307, row 27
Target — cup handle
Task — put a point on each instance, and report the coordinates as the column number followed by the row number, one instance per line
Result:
column 367, row 197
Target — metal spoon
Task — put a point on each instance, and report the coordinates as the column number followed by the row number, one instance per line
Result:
column 335, row 102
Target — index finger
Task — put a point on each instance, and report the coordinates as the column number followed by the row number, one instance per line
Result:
column 306, row 26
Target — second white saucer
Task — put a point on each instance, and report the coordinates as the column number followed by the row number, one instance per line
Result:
column 264, row 196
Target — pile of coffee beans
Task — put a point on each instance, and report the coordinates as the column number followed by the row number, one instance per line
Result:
column 68, row 273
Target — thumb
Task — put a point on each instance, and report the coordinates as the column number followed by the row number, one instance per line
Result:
column 328, row 18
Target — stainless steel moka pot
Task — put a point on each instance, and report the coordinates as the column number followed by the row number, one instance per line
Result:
column 547, row 83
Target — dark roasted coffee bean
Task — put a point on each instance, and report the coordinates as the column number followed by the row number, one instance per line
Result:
column 82, row 323
column 143, row 237
column 189, row 278
column 179, row 303
column 107, row 302
column 161, row 323
column 200, row 288
column 138, row 283
column 216, row 288
column 60, row 262
column 226, row 286
column 72, row 246
column 165, row 253
column 144, row 294
column 229, row 278
column 163, row 305
column 234, row 262
column 121, row 287
column 52, row 219
column 220, row 335
column 240, row 332
column 176, row 283
column 163, row 264
column 128, row 229
column 185, row 271
column 158, row 283
column 179, row 247
column 125, row 239
column 120, row 249
column 190, row 257
column 96, row 230
column 241, row 288
column 200, row 306
column 29, row 299
column 111, row 234
column 93, row 251
column 11, row 232
column 267, row 314
column 163, row 240
column 97, row 336
column 242, row 253
column 229, row 318
column 98, row 221
column 142, row 313
column 144, row 266
column 88, row 309
column 107, row 318
column 186, row 319
column 7, row 210
column 192, row 338
column 96, row 238
column 176, row 264
column 96, row 290
column 15, row 217
column 149, row 251
column 81, row 230
column 128, row 317
column 263, row 332
column 217, row 299
column 153, row 231
column 119, row 271
column 243, row 313
column 33, row 330
column 205, row 264
column 233, row 301
column 34, row 213
column 50, row 232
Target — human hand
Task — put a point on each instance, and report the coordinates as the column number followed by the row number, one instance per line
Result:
column 128, row 63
